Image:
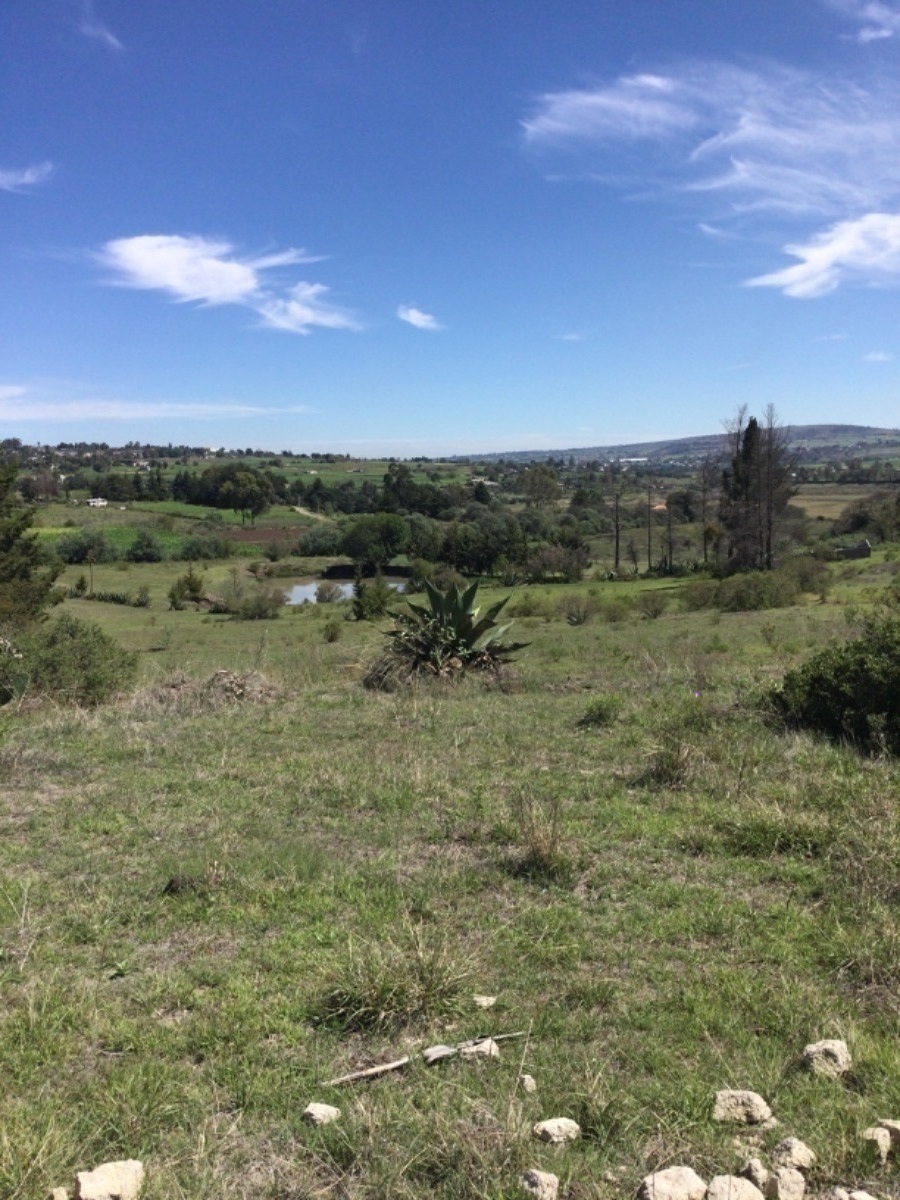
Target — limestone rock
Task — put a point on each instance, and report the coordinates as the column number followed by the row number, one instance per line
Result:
column 838, row 1193
column 791, row 1152
column 860, row 1195
column 484, row 1048
column 732, row 1187
column 881, row 1141
column 111, row 1181
column 321, row 1114
column 830, row 1057
column 893, row 1128
column 786, row 1183
column 557, row 1130
column 674, row 1183
column 754, row 1170
column 542, row 1185
column 484, row 1001
column 59, row 1194
column 741, row 1108
column 529, row 1083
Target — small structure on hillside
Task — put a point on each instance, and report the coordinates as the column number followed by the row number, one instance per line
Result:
column 97, row 502
column 861, row 549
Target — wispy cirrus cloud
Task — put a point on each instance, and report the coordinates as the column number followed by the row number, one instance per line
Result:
column 210, row 273
column 867, row 249
column 878, row 356
column 19, row 403
column 420, row 320
column 877, row 18
column 92, row 27
column 12, row 180
column 772, row 147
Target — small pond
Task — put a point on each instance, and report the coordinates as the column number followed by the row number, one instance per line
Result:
column 305, row 593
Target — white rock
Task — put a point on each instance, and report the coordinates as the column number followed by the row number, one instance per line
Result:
column 838, row 1193
column 111, row 1181
column 321, row 1114
column 674, row 1183
column 732, row 1187
column 830, row 1057
column 893, row 1128
column 528, row 1082
column 741, row 1108
column 754, row 1170
column 557, row 1130
column 860, row 1195
column 542, row 1185
column 791, row 1152
column 881, row 1140
column 786, row 1183
column 485, row 1048
column 59, row 1194
column 485, row 1001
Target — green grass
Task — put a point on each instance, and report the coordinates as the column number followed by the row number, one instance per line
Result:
column 669, row 902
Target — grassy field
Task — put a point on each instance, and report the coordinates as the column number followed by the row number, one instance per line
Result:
column 828, row 500
column 215, row 899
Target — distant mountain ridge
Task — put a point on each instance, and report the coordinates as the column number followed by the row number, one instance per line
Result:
column 833, row 441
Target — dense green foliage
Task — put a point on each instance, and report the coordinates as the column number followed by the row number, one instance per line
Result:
column 850, row 692
column 68, row 661
column 26, row 578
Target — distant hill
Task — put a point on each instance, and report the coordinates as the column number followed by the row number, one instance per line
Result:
column 816, row 441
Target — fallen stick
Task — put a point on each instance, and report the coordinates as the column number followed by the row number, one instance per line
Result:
column 430, row 1056
column 369, row 1072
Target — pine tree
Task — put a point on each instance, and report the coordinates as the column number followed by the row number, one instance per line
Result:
column 26, row 577
column 756, row 488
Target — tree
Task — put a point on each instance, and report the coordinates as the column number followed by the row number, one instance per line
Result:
column 26, row 576
column 372, row 541
column 756, row 488
column 540, row 486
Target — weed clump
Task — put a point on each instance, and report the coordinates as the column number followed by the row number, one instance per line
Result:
column 69, row 661
column 850, row 692
column 385, row 985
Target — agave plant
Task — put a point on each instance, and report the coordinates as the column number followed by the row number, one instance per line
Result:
column 446, row 635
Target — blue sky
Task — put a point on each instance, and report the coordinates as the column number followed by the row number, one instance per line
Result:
column 396, row 227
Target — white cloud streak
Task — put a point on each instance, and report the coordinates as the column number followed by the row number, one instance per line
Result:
column 37, row 407
column 421, row 320
column 877, row 356
column 867, row 249
column 206, row 272
column 879, row 19
column 763, row 148
column 26, row 177
column 91, row 27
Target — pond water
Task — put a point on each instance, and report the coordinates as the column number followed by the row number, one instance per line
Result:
column 305, row 593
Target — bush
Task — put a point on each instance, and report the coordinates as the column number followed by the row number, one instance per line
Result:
column 699, row 593
column 652, row 604
column 263, row 604
column 144, row 548
column 329, row 592
column 70, row 661
column 756, row 591
column 320, row 541
column 212, row 546
column 850, row 692
column 371, row 600
column 86, row 545
column 332, row 630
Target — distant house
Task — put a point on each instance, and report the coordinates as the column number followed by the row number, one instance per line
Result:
column 860, row 550
column 97, row 502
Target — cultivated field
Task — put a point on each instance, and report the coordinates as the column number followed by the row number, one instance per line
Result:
column 218, row 894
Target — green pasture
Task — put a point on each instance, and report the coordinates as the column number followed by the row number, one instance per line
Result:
column 215, row 899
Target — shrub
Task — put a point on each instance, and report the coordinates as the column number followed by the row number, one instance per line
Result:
column 371, row 600
column 144, row 548
column 320, row 541
column 329, row 592
column 757, row 590
column 263, row 604
column 332, row 630
column 850, row 692
column 601, row 712
column 699, row 593
column 86, row 545
column 70, row 661
column 209, row 547
column 652, row 604
column 577, row 610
